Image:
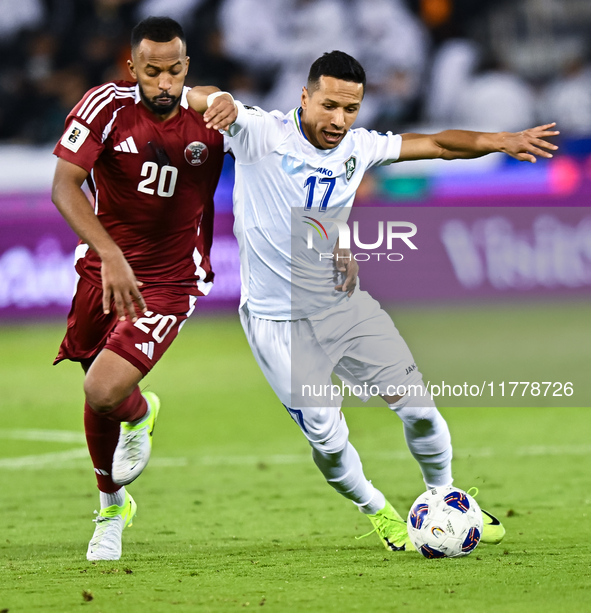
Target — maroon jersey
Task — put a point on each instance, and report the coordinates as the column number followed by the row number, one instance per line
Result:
column 153, row 183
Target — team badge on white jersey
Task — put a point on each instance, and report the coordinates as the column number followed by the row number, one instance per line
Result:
column 350, row 166
column 196, row 153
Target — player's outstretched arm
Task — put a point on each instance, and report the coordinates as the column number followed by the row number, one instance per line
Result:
column 525, row 146
column 119, row 282
column 217, row 107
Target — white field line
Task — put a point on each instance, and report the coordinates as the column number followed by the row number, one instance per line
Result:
column 157, row 462
column 72, row 457
column 236, row 460
column 49, row 436
column 44, row 460
column 537, row 450
column 60, row 459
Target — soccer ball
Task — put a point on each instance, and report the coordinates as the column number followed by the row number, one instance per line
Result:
column 445, row 522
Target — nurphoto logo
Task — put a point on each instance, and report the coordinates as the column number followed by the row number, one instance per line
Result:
column 394, row 231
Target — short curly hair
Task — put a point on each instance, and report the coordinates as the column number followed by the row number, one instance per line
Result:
column 157, row 29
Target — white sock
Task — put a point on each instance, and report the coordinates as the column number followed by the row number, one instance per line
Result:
column 427, row 437
column 343, row 471
column 117, row 498
column 436, row 468
column 377, row 503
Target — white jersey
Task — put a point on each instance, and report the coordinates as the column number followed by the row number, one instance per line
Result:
column 285, row 194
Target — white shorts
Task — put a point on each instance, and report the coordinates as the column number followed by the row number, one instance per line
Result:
column 357, row 340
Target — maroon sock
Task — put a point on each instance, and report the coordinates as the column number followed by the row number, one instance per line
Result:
column 132, row 408
column 102, row 435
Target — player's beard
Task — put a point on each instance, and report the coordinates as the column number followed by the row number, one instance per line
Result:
column 155, row 107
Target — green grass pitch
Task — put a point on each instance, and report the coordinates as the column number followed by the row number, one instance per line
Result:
column 233, row 515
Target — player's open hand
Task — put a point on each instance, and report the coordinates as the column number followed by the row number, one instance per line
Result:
column 121, row 287
column 346, row 263
column 221, row 114
column 525, row 146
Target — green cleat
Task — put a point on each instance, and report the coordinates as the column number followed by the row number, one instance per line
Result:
column 105, row 543
column 135, row 444
column 391, row 529
column 493, row 530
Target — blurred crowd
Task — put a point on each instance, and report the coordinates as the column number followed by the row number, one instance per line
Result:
column 488, row 65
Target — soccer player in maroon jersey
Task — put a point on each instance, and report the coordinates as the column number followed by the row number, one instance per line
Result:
column 143, row 259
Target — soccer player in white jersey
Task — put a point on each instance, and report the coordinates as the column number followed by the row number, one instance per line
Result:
column 299, row 326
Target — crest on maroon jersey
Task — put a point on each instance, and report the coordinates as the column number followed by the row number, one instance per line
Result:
column 196, row 153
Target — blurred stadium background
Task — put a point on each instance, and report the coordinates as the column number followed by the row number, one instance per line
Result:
column 500, row 292
column 432, row 64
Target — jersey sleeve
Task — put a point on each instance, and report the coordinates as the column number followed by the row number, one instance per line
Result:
column 254, row 134
column 381, row 148
column 82, row 141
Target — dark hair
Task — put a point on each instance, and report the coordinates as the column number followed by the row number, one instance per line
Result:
column 336, row 64
column 157, row 29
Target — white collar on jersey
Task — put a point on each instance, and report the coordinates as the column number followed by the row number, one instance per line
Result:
column 184, row 101
column 296, row 116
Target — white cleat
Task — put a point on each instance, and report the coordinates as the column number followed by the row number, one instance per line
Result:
column 105, row 543
column 135, row 444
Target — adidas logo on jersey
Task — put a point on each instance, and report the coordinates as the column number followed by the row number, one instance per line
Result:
column 127, row 146
column 147, row 348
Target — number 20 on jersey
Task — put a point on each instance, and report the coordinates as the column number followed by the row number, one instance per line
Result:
column 159, row 180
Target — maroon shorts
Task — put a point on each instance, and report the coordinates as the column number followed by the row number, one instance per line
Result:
column 141, row 343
